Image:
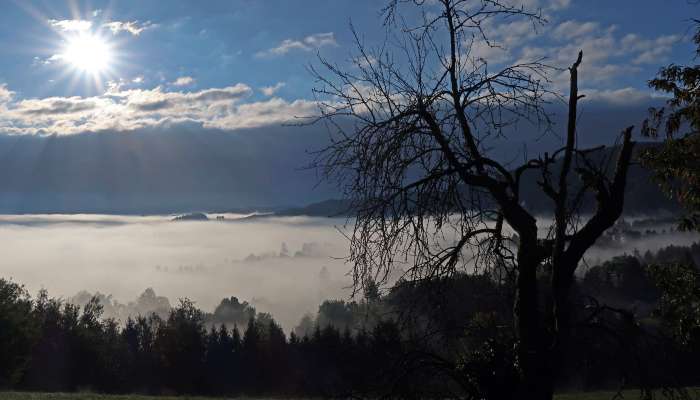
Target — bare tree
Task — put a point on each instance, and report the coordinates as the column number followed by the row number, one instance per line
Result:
column 411, row 123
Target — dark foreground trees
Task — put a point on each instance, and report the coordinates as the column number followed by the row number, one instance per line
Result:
column 412, row 125
column 457, row 342
column 677, row 162
column 48, row 345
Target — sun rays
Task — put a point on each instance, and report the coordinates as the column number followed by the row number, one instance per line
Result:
column 88, row 53
column 87, row 56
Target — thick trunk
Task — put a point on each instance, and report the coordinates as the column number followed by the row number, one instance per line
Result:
column 533, row 352
column 561, row 323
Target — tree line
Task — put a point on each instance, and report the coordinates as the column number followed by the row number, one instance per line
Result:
column 452, row 337
column 49, row 345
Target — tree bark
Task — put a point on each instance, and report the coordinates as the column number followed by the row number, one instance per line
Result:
column 533, row 354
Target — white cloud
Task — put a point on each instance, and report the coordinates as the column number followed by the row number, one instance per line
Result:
column 222, row 108
column 5, row 93
column 619, row 97
column 491, row 53
column 270, row 90
column 572, row 29
column 559, row 4
column 320, row 40
column 541, row 4
column 135, row 28
column 274, row 111
column 607, row 54
column 505, row 38
column 156, row 100
column 57, row 106
column 309, row 43
column 650, row 51
column 71, row 25
column 183, row 81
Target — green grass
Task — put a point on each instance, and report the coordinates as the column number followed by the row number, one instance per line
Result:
column 89, row 396
column 627, row 395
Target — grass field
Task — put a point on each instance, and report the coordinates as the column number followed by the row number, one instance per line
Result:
column 89, row 396
column 628, row 395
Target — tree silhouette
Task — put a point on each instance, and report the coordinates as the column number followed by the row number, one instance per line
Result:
column 66, row 348
column 412, row 123
column 676, row 164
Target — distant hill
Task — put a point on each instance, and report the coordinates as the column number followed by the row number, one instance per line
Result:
column 327, row 208
column 642, row 195
column 196, row 216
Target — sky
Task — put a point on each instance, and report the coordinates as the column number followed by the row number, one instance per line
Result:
column 194, row 97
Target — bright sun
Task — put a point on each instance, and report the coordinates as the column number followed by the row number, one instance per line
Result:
column 88, row 53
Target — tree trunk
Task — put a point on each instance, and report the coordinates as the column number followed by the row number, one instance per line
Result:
column 534, row 355
column 561, row 323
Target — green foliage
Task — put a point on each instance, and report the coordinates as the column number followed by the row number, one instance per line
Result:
column 627, row 394
column 679, row 305
column 677, row 163
column 457, row 341
column 91, row 396
column 18, row 331
column 232, row 311
column 623, row 277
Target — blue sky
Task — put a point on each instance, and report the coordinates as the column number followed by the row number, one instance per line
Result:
column 240, row 67
column 220, row 43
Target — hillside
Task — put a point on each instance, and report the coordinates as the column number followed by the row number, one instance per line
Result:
column 643, row 196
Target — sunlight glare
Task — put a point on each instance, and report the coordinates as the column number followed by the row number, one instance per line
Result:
column 88, row 53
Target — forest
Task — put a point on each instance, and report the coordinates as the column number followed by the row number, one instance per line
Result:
column 641, row 330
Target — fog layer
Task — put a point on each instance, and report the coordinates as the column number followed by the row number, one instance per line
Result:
column 282, row 265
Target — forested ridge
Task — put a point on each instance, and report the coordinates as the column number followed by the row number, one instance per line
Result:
column 400, row 342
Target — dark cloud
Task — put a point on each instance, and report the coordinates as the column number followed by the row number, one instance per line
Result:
column 184, row 166
column 152, row 105
column 161, row 169
column 57, row 106
column 233, row 93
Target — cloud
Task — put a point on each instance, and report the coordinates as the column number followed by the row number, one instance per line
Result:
column 135, row 28
column 56, row 106
column 118, row 109
column 554, row 5
column 5, row 93
column 559, row 4
column 274, row 111
column 270, row 90
column 183, row 81
column 505, row 38
column 572, row 29
column 71, row 25
column 620, row 97
column 607, row 54
column 649, row 51
column 309, row 43
column 190, row 102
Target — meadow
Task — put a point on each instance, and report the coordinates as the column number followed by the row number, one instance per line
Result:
column 693, row 393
